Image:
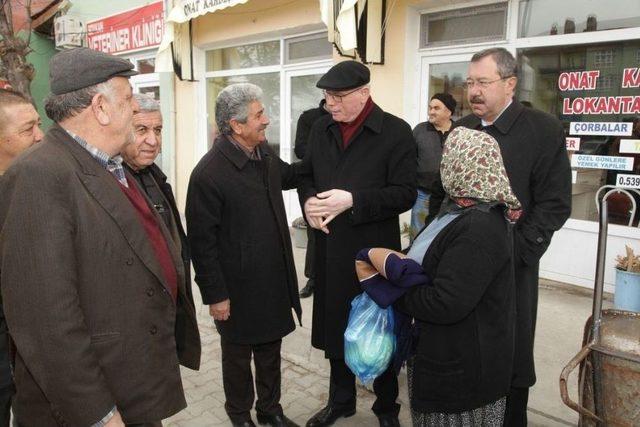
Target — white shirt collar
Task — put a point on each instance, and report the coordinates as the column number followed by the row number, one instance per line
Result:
column 485, row 123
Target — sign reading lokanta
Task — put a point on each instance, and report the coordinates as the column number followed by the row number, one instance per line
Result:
column 602, row 162
column 136, row 29
column 592, row 105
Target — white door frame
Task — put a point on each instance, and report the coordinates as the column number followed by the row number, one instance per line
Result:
column 291, row 202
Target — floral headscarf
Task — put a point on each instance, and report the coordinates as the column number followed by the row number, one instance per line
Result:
column 472, row 170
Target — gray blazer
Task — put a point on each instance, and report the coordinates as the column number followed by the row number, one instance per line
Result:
column 85, row 298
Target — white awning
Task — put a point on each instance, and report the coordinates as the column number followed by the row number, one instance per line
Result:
column 356, row 25
column 174, row 53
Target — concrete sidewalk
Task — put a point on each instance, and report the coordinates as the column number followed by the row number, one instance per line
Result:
column 561, row 316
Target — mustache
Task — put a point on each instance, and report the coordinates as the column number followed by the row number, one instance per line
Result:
column 476, row 100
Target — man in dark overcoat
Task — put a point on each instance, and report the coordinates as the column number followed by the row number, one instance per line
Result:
column 91, row 280
column 241, row 251
column 305, row 122
column 533, row 148
column 139, row 159
column 360, row 174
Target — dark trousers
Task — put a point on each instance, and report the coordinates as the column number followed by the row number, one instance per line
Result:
column 6, row 394
column 342, row 389
column 238, row 380
column 516, row 412
column 156, row 424
column 309, row 270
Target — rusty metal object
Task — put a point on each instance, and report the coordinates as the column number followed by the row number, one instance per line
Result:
column 609, row 379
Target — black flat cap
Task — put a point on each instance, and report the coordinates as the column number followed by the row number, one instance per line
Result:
column 345, row 75
column 82, row 67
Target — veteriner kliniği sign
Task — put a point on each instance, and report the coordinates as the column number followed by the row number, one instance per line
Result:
column 136, row 29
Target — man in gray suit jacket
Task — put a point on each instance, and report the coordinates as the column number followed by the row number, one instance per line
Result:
column 92, row 283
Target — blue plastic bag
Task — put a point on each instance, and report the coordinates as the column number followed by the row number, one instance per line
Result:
column 369, row 341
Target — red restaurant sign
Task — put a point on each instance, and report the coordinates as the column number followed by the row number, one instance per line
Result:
column 136, row 29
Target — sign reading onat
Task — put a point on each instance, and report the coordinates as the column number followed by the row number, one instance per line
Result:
column 630, row 146
column 136, row 29
column 601, row 128
column 602, row 162
column 573, row 144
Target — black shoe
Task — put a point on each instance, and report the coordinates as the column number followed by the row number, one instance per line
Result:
column 247, row 423
column 389, row 421
column 307, row 291
column 276, row 420
column 328, row 415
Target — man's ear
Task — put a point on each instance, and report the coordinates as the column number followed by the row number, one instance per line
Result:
column 511, row 84
column 366, row 92
column 99, row 109
column 235, row 126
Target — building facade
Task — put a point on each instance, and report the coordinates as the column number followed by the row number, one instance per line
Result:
column 579, row 60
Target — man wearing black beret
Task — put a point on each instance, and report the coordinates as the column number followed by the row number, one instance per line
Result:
column 92, row 282
column 360, row 174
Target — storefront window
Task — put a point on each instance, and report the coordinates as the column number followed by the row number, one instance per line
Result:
column 245, row 56
column 449, row 78
column 552, row 17
column 270, row 84
column 595, row 91
column 470, row 25
column 308, row 48
column 146, row 66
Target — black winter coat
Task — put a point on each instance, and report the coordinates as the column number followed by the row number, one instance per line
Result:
column 303, row 129
column 465, row 316
column 240, row 242
column 161, row 179
column 533, row 149
column 378, row 167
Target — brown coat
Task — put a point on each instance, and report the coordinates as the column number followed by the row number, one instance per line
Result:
column 84, row 295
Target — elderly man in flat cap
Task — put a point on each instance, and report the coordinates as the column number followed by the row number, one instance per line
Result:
column 92, row 283
column 360, row 175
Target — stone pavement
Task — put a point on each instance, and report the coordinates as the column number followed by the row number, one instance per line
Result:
column 561, row 316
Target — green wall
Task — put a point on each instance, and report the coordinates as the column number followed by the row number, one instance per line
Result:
column 43, row 48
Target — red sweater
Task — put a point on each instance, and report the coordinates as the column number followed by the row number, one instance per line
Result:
column 348, row 130
column 156, row 238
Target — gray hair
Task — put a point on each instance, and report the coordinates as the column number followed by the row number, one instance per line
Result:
column 506, row 63
column 147, row 102
column 233, row 104
column 66, row 105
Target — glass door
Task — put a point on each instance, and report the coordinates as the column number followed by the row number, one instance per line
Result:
column 301, row 94
column 444, row 74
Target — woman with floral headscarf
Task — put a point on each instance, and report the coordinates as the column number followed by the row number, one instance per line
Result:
column 459, row 368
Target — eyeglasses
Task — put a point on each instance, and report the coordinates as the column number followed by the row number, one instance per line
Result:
column 338, row 98
column 483, row 84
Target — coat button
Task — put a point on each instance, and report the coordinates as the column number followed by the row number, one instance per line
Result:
column 539, row 240
column 150, row 292
column 129, row 261
column 153, row 330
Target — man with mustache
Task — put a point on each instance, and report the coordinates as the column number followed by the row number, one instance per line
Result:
column 242, row 255
column 359, row 175
column 533, row 148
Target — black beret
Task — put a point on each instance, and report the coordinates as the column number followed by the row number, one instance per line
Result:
column 82, row 67
column 447, row 100
column 345, row 75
